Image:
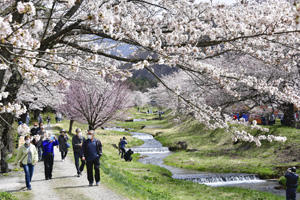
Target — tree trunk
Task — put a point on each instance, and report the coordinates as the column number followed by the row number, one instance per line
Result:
column 91, row 127
column 23, row 118
column 6, row 138
column 36, row 114
column 12, row 86
column 71, row 126
column 7, row 119
column 288, row 111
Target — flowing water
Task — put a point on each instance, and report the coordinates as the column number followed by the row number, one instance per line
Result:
column 154, row 153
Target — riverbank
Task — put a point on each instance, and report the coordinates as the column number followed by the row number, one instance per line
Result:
column 214, row 151
column 141, row 181
column 135, row 180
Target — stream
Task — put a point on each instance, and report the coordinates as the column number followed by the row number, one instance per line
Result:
column 154, row 153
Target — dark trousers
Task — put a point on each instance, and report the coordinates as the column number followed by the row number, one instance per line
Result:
column 291, row 193
column 76, row 158
column 123, row 152
column 48, row 163
column 90, row 165
column 40, row 152
column 63, row 154
column 28, row 169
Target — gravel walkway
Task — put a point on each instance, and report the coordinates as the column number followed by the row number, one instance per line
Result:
column 64, row 185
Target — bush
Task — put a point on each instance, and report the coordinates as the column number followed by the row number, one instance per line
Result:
column 181, row 145
column 282, row 181
column 7, row 196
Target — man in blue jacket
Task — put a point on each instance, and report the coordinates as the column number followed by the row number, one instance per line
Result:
column 92, row 151
column 291, row 183
column 48, row 154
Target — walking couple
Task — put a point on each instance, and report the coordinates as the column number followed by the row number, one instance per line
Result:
column 89, row 151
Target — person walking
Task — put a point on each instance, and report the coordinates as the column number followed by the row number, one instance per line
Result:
column 122, row 147
column 27, row 157
column 291, row 183
column 63, row 144
column 48, row 154
column 92, row 151
column 27, row 119
column 34, row 129
column 77, row 141
column 40, row 119
column 48, row 121
column 38, row 143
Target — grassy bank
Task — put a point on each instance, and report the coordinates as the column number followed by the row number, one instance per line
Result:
column 7, row 196
column 214, row 151
column 139, row 181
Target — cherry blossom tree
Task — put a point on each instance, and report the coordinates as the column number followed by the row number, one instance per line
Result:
column 40, row 39
column 95, row 104
column 140, row 99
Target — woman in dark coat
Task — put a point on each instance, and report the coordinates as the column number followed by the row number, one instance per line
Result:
column 63, row 144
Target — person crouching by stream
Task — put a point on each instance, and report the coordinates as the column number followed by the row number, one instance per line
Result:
column 92, row 151
column 27, row 157
column 291, row 183
column 48, row 154
column 77, row 142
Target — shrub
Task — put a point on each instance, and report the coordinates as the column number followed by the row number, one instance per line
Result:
column 7, row 196
column 282, row 181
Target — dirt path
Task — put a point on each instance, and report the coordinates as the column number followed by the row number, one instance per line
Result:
column 64, row 185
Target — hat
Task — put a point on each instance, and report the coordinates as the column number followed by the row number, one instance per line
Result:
column 20, row 122
column 78, row 130
column 293, row 169
column 62, row 131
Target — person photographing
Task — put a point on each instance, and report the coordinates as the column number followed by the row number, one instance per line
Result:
column 123, row 143
column 48, row 154
column 92, row 151
column 291, row 183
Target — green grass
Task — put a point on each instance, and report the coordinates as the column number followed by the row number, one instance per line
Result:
column 139, row 181
column 7, row 196
column 208, row 147
column 23, row 195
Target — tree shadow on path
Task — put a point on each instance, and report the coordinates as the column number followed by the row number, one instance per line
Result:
column 70, row 187
column 16, row 190
column 60, row 177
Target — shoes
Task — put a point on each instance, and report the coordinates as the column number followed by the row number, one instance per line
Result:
column 62, row 160
column 29, row 188
column 47, row 178
column 78, row 175
column 97, row 183
column 90, row 184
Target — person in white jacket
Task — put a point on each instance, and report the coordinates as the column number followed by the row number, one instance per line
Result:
column 27, row 157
